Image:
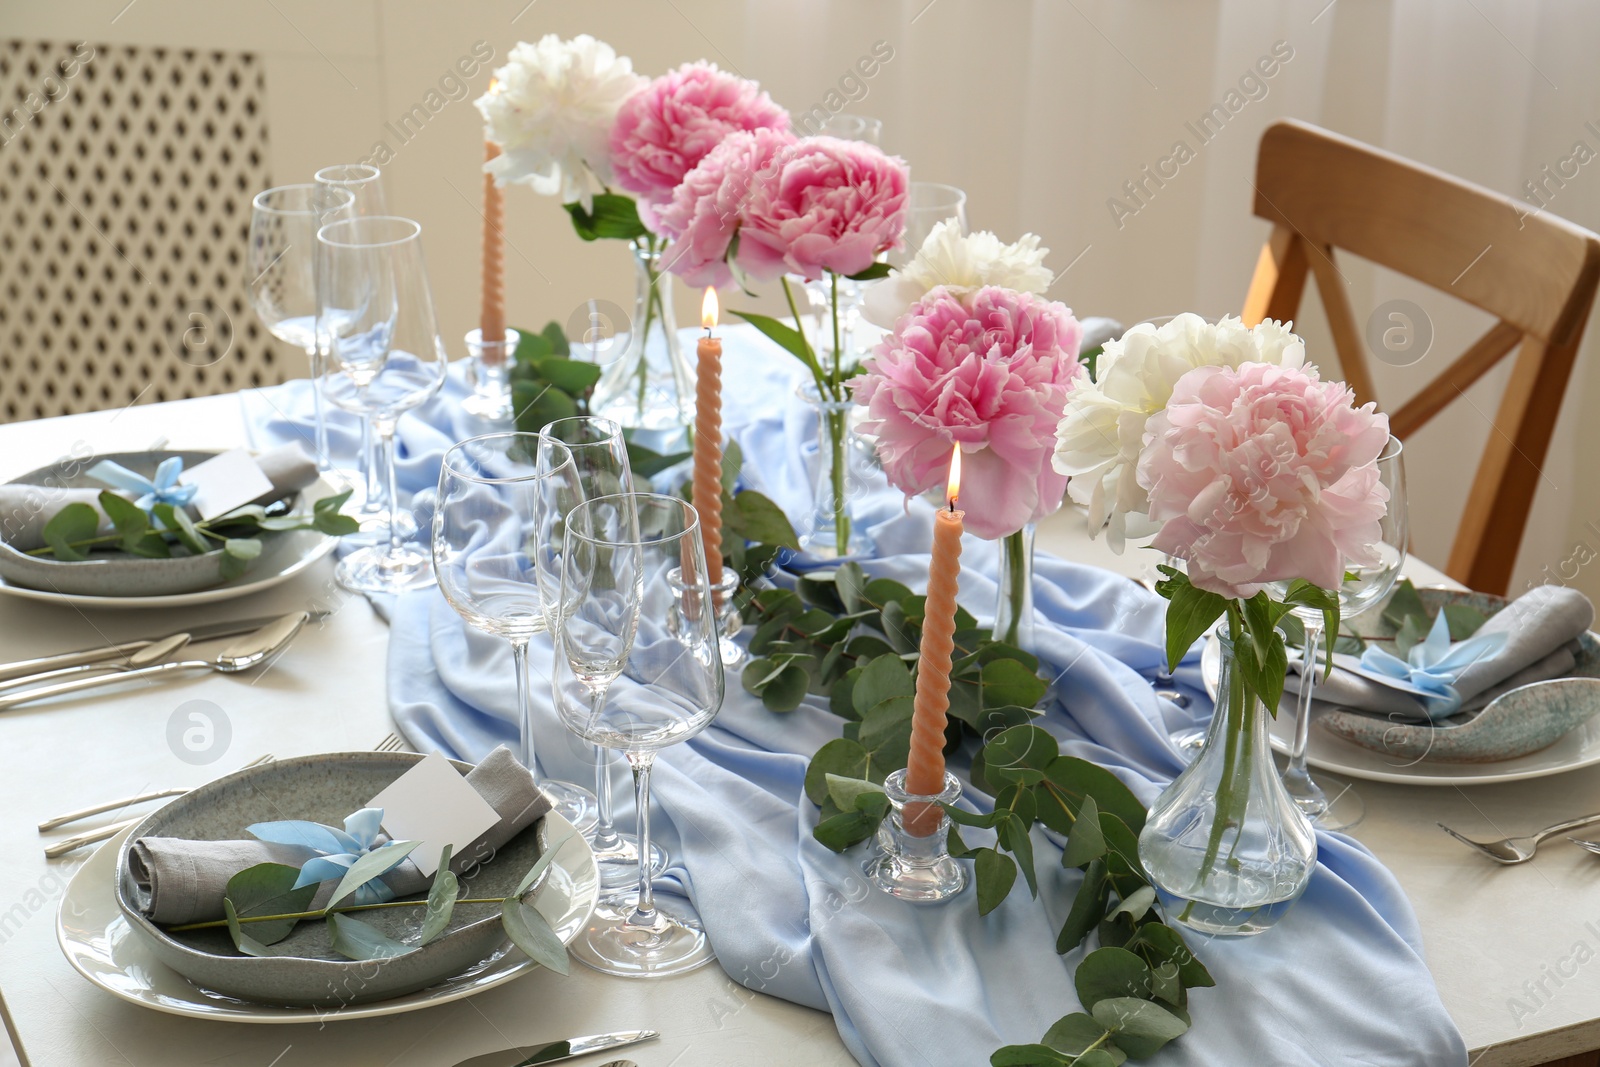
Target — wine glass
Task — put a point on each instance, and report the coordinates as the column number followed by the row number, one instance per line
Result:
column 376, row 311
column 499, row 512
column 281, row 264
column 597, row 449
column 927, row 205
column 849, row 127
column 1363, row 588
column 365, row 182
column 638, row 668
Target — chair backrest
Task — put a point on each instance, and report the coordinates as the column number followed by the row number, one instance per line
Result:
column 1536, row 273
column 125, row 182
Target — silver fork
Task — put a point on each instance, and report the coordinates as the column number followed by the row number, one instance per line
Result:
column 1513, row 850
column 392, row 743
column 100, row 833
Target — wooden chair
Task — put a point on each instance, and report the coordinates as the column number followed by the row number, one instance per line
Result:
column 1536, row 273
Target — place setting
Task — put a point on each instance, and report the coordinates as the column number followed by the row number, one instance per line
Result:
column 827, row 637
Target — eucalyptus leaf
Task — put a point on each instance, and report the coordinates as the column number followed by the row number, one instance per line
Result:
column 1088, row 907
column 539, row 866
column 1464, row 620
column 359, row 940
column 1141, row 1026
column 1069, row 779
column 241, row 940
column 880, row 680
column 75, row 522
column 530, row 931
column 1085, row 842
column 756, row 518
column 130, row 520
column 1404, row 603
column 178, row 521
column 268, row 889
column 372, row 865
column 441, row 899
column 996, row 873
column 841, row 757
column 845, row 792
column 1135, row 904
column 1028, row 1056
column 1074, row 1034
column 575, row 377
column 1107, row 973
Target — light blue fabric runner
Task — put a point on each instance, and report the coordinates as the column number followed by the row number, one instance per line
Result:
column 1341, row 980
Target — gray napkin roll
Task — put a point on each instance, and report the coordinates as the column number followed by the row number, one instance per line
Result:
column 1541, row 627
column 183, row 881
column 29, row 508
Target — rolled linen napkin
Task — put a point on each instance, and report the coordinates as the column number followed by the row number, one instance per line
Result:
column 1540, row 630
column 182, row 881
column 29, row 508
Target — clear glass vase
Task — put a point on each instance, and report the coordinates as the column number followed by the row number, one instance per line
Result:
column 1013, row 609
column 648, row 385
column 846, row 471
column 1224, row 845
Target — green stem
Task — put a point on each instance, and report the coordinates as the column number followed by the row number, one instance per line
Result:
column 838, row 351
column 841, row 520
column 647, row 246
column 217, row 923
column 1016, row 575
column 1235, row 760
column 808, row 357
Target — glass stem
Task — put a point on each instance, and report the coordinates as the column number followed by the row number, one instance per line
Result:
column 369, row 467
column 1306, row 794
column 384, row 428
column 605, row 833
column 644, row 912
column 519, row 660
column 319, row 414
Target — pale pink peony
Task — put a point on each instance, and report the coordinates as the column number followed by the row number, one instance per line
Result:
column 992, row 374
column 1263, row 473
column 704, row 212
column 664, row 131
column 827, row 205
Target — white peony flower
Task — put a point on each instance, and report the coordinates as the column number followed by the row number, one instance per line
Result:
column 1102, row 431
column 962, row 264
column 551, row 109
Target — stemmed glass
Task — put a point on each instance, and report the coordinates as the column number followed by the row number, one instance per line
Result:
column 1363, row 588
column 927, row 205
column 638, row 668
column 596, row 447
column 499, row 513
column 376, row 311
column 365, row 182
column 281, row 264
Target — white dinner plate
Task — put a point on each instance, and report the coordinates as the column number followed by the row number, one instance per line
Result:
column 1577, row 749
column 99, row 944
column 283, row 555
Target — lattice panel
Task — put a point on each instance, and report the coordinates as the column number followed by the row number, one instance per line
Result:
column 126, row 175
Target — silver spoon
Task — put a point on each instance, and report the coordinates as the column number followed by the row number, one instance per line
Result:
column 241, row 655
column 144, row 657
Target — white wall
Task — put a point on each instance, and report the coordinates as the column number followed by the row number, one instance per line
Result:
column 1041, row 109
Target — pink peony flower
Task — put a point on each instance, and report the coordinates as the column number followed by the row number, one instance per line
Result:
column 829, row 204
column 704, row 212
column 664, row 131
column 1263, row 473
column 991, row 374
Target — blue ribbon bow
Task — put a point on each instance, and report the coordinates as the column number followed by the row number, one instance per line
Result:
column 338, row 850
column 1434, row 664
column 147, row 493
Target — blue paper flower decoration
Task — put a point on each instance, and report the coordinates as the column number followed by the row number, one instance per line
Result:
column 1434, row 664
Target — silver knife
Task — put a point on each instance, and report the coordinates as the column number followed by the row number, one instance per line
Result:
column 210, row 631
column 556, row 1051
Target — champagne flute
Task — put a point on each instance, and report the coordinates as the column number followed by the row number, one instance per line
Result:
column 1363, row 587
column 364, row 182
column 376, row 308
column 502, row 501
column 600, row 454
column 638, row 668
column 927, row 205
column 281, row 264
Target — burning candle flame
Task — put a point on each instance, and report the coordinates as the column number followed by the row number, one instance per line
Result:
column 952, row 489
column 494, row 85
column 708, row 308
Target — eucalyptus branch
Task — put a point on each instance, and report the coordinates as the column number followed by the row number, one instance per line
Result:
column 217, row 924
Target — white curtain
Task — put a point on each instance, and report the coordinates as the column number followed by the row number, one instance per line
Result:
column 1043, row 109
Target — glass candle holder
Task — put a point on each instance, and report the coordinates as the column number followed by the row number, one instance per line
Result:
column 919, row 870
column 489, row 375
column 729, row 623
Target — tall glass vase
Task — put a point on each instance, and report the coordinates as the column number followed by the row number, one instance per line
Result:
column 649, row 385
column 1013, row 610
column 1224, row 845
column 846, row 470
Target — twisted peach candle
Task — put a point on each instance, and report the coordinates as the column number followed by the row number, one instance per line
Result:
column 708, row 441
column 492, row 318
column 925, row 764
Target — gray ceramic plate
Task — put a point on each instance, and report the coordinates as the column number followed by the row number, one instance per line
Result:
column 115, row 581
column 303, row 970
